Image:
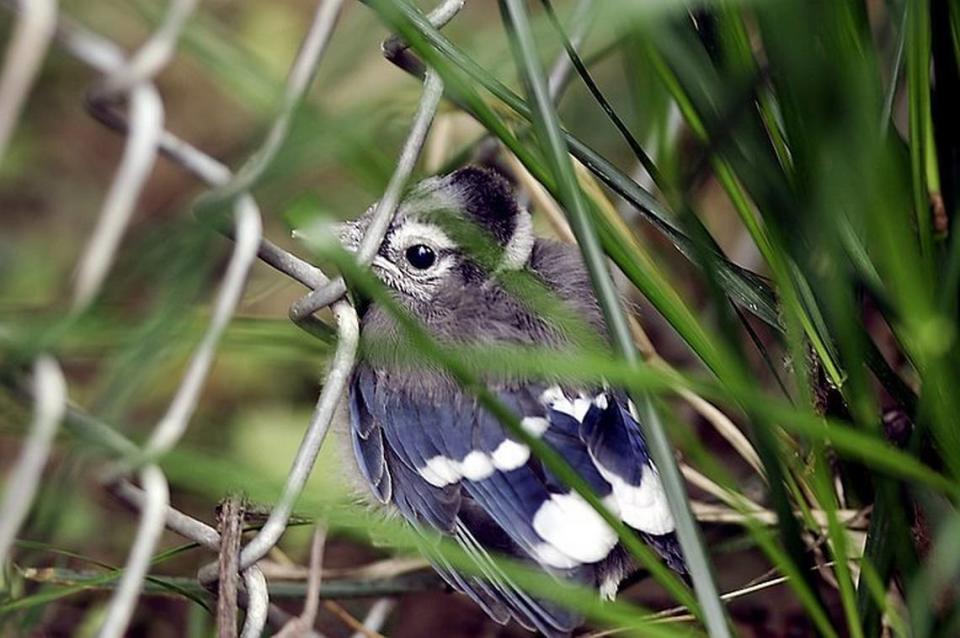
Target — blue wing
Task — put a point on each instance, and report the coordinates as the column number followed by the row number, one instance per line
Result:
column 447, row 463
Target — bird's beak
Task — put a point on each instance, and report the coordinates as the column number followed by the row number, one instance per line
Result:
column 325, row 232
column 349, row 233
column 346, row 234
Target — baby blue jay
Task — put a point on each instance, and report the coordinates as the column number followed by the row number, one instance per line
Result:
column 425, row 445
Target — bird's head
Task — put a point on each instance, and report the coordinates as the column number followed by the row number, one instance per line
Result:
column 449, row 232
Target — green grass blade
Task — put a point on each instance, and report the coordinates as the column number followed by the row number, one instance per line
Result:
column 748, row 289
column 554, row 147
column 922, row 149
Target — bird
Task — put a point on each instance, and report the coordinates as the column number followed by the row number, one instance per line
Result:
column 429, row 450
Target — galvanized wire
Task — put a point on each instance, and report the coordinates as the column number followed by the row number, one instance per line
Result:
column 28, row 45
column 50, row 391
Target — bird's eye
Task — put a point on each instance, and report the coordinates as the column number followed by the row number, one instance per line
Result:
column 420, row 256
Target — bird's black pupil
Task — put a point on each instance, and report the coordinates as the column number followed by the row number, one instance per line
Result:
column 420, row 256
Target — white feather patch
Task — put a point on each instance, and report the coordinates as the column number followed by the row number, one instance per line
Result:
column 517, row 251
column 555, row 399
column 510, row 455
column 535, row 425
column 609, row 586
column 643, row 507
column 476, row 466
column 440, row 471
column 412, row 232
column 570, row 525
column 547, row 554
column 551, row 395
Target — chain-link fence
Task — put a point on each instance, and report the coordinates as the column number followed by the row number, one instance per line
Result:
column 126, row 99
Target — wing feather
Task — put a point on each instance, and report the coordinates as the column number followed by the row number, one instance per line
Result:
column 447, row 463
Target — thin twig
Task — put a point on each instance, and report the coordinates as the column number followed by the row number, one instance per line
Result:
column 676, row 614
column 347, row 618
column 312, row 604
column 230, row 519
column 377, row 570
column 722, row 424
column 308, row 617
column 376, row 617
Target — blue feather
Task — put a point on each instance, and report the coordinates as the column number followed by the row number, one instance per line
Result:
column 615, row 440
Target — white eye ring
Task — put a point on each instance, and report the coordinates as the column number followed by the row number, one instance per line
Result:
column 411, row 233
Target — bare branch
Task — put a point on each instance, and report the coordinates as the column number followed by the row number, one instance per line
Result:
column 307, row 619
column 230, row 518
column 376, row 617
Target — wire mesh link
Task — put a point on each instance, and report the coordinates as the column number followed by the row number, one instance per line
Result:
column 31, row 36
column 129, row 78
column 152, row 516
column 155, row 54
column 338, row 375
column 386, row 208
column 174, row 422
column 50, row 391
